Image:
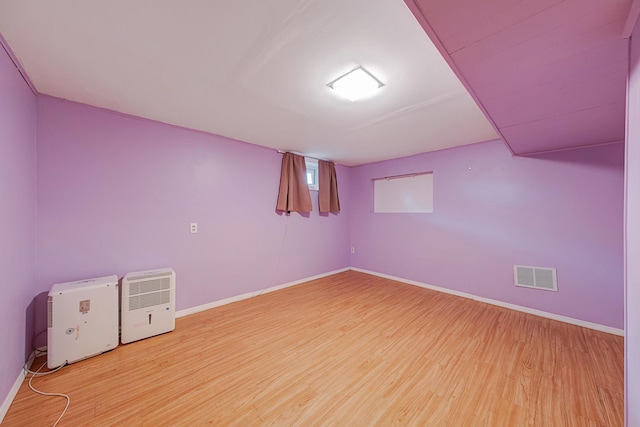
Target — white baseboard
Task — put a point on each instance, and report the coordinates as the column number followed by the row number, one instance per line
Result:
column 12, row 394
column 199, row 308
column 14, row 390
column 565, row 319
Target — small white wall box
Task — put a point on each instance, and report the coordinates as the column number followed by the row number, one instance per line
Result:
column 148, row 304
column 82, row 320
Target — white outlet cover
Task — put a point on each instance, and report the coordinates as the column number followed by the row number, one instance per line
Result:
column 193, row 227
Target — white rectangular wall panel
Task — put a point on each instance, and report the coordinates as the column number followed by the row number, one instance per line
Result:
column 82, row 320
column 404, row 194
column 148, row 304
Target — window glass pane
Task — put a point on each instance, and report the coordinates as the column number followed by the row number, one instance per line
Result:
column 312, row 173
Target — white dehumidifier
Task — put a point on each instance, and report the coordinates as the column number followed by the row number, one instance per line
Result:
column 148, row 304
column 82, row 320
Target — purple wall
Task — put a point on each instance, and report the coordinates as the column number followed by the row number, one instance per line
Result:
column 491, row 211
column 117, row 194
column 632, row 256
column 17, row 219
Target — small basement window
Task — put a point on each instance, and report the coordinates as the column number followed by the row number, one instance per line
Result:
column 312, row 173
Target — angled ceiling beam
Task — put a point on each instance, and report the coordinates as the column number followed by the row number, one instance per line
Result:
column 632, row 18
column 415, row 9
column 18, row 65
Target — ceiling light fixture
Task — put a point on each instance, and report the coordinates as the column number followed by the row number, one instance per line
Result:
column 356, row 84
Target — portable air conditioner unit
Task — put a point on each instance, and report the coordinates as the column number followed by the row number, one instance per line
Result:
column 148, row 304
column 82, row 320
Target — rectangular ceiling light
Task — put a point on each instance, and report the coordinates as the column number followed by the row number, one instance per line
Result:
column 356, row 84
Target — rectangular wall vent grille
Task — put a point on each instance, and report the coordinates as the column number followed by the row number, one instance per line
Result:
column 536, row 277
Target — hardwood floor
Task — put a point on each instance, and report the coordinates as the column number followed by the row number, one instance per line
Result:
column 350, row 349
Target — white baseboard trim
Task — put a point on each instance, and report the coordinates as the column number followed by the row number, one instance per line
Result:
column 565, row 319
column 203, row 307
column 12, row 394
column 14, row 390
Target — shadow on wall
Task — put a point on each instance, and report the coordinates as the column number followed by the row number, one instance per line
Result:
column 606, row 156
column 36, row 324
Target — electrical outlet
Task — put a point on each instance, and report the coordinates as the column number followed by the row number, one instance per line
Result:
column 353, row 250
column 193, row 228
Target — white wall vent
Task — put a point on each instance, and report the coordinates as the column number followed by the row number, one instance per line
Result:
column 148, row 304
column 536, row 277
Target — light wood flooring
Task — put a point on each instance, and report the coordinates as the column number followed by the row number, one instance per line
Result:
column 347, row 350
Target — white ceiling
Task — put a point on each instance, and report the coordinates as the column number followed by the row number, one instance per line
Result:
column 254, row 70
